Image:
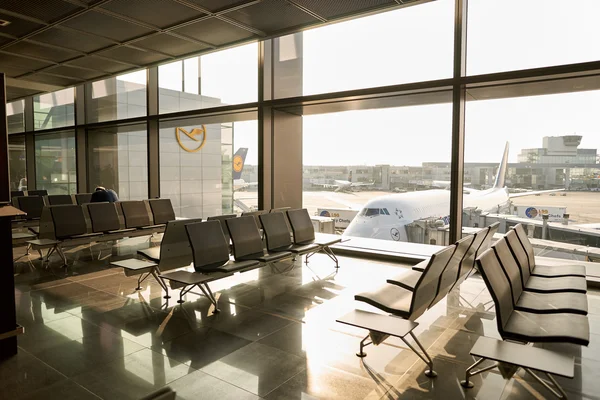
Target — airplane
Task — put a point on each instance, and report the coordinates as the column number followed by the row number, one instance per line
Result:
column 344, row 186
column 239, row 159
column 386, row 217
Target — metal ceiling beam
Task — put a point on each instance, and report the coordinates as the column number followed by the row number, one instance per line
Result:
column 30, row 85
column 308, row 11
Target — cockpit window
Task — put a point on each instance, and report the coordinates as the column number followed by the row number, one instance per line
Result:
column 371, row 212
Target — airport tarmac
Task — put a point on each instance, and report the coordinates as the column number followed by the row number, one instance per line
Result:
column 583, row 207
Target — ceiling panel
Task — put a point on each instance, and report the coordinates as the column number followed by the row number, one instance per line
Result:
column 15, row 92
column 100, row 64
column 133, row 56
column 67, row 38
column 271, row 16
column 218, row 5
column 161, row 13
column 17, row 27
column 169, row 44
column 11, row 71
column 333, row 8
column 52, row 80
column 107, row 26
column 12, row 60
column 78, row 73
column 35, row 50
column 215, row 31
column 47, row 10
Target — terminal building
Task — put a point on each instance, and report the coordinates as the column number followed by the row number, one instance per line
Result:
column 158, row 159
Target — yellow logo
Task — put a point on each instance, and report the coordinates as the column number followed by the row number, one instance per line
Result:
column 238, row 163
column 192, row 135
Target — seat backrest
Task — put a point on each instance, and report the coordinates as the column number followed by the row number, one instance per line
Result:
column 276, row 230
column 498, row 286
column 175, row 247
column 302, row 227
column 209, row 247
column 135, row 214
column 245, row 237
column 104, row 217
column 450, row 274
column 256, row 215
column 510, row 267
column 83, row 198
column 162, row 210
column 280, row 209
column 519, row 254
column 60, row 199
column 468, row 261
column 32, row 205
column 37, row 193
column 426, row 287
column 522, row 235
column 488, row 239
column 222, row 219
column 69, row 220
column 17, row 193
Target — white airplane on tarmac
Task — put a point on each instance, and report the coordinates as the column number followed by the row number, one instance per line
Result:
column 386, row 217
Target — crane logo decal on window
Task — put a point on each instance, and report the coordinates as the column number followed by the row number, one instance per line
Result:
column 194, row 136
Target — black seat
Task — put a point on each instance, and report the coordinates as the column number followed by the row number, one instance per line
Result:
column 211, row 250
column 278, row 236
column 17, row 193
column 60, row 199
column 524, row 326
column 411, row 304
column 256, row 215
column 104, row 218
column 37, row 193
column 69, row 222
column 175, row 248
column 518, row 236
column 83, row 198
column 222, row 219
column 544, row 303
column 135, row 214
column 162, row 210
column 247, row 244
column 538, row 284
column 32, row 205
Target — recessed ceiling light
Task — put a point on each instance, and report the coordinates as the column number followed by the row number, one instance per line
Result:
column 4, row 22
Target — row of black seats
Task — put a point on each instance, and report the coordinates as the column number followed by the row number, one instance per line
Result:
column 20, row 193
column 33, row 205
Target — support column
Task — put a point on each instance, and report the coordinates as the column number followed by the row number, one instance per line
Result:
column 153, row 134
column 458, row 120
column 81, row 141
column 29, row 143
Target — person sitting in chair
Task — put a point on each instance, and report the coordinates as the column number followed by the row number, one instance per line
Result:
column 102, row 195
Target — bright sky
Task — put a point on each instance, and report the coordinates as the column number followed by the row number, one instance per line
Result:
column 415, row 44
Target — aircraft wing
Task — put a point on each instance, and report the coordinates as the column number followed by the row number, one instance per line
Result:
column 522, row 194
column 362, row 183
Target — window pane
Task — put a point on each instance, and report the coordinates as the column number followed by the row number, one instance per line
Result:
column 217, row 79
column 17, row 162
column 506, row 35
column 118, row 160
column 196, row 165
column 553, row 141
column 373, row 191
column 407, row 45
column 117, row 98
column 55, row 168
column 15, row 116
column 54, row 110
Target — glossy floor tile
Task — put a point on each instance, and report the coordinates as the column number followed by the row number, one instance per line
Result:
column 90, row 335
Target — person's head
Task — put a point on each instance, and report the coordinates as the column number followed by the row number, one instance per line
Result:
column 98, row 188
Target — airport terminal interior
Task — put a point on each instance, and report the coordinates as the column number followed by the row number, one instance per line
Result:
column 299, row 199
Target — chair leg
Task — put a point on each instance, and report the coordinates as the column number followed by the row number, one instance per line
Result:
column 425, row 357
column 141, row 279
column 559, row 392
column 161, row 282
column 467, row 384
column 361, row 352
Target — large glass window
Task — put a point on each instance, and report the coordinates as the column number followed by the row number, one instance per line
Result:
column 54, row 110
column 17, row 162
column 117, row 98
column 15, row 116
column 552, row 162
column 55, row 166
column 506, row 35
column 407, row 45
column 216, row 79
column 118, row 160
column 209, row 166
column 373, row 169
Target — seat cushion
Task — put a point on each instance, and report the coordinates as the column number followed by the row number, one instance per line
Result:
column 407, row 280
column 272, row 257
column 233, row 266
column 153, row 253
column 552, row 303
column 559, row 271
column 530, row 327
column 555, row 285
column 298, row 248
column 389, row 298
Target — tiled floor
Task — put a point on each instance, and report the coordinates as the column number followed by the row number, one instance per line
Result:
column 90, row 335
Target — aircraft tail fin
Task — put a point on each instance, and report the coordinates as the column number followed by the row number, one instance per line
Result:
column 239, row 158
column 502, row 169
